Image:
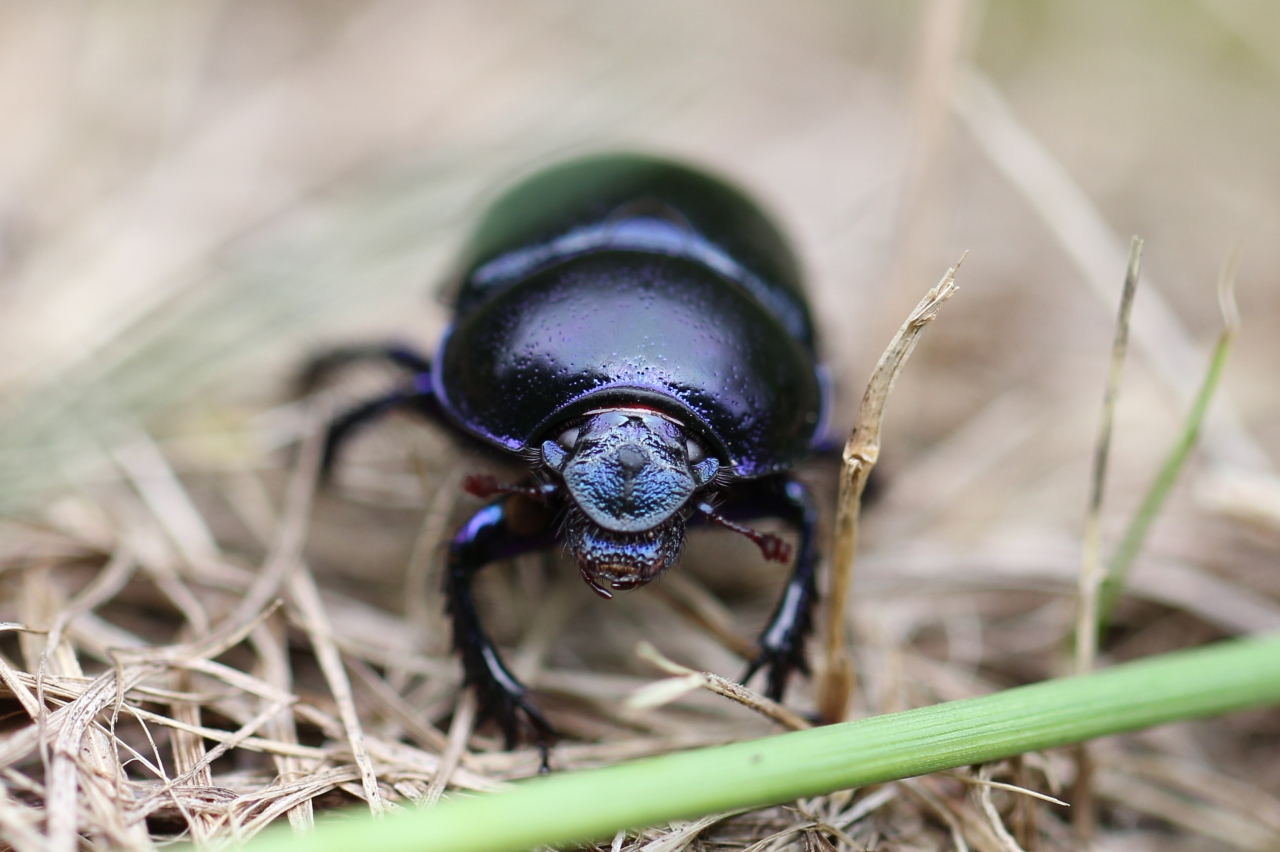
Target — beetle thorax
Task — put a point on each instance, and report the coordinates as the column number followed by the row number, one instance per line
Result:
column 629, row 472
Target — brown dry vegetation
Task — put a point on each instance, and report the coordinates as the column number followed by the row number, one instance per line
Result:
column 195, row 195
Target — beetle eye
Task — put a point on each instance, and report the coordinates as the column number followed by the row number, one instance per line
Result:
column 568, row 438
column 695, row 451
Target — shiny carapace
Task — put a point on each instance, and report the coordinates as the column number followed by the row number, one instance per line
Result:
column 633, row 332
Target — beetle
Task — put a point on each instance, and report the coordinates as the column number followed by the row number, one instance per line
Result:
column 634, row 332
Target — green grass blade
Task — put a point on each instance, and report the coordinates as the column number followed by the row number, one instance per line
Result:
column 570, row 807
column 1135, row 536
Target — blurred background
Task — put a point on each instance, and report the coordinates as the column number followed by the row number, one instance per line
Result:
column 196, row 195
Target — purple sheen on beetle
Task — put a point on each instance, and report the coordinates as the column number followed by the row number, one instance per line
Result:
column 628, row 328
column 636, row 334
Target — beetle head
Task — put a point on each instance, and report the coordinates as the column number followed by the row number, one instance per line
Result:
column 629, row 471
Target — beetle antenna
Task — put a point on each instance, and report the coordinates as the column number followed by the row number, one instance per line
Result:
column 773, row 547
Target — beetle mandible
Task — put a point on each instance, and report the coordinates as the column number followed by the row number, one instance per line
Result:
column 634, row 332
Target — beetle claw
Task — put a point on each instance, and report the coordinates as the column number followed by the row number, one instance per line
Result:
column 504, row 701
column 773, row 548
column 778, row 664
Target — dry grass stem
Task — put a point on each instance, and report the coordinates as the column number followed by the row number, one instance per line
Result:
column 985, row 781
column 305, row 594
column 836, row 677
column 1091, row 574
column 939, row 810
column 687, row 679
column 464, row 718
column 985, row 786
column 269, row 643
column 199, row 639
column 291, row 532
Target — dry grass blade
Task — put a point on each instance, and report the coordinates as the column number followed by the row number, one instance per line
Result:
column 682, row 837
column 940, row 810
column 13, row 682
column 259, row 744
column 688, row 679
column 1086, row 635
column 1238, row 830
column 391, row 702
column 1091, row 573
column 66, row 781
column 291, row 532
column 689, row 598
column 985, row 781
column 303, row 591
column 835, row 686
column 190, row 762
column 419, row 603
column 464, row 717
column 167, row 499
column 944, row 41
column 1189, row 779
column 985, row 785
column 18, row 826
column 273, row 657
column 105, row 586
column 195, row 196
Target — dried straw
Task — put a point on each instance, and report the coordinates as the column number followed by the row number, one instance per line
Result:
column 197, row 641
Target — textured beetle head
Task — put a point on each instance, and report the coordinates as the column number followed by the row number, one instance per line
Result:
column 629, row 471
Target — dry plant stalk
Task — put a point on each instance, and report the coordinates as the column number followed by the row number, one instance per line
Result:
column 835, row 685
column 1086, row 635
column 686, row 680
column 1091, row 573
column 400, row 692
column 464, row 718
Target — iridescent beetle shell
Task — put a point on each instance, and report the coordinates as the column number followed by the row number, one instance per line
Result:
column 632, row 280
column 635, row 333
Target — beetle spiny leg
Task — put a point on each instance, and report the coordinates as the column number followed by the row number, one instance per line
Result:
column 774, row 548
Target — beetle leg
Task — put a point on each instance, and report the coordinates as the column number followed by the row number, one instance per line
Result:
column 344, row 425
column 771, row 547
column 781, row 646
column 512, row 524
column 418, row 397
column 484, row 486
column 322, row 366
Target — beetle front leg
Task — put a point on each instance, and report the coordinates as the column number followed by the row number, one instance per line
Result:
column 781, row 646
column 323, row 365
column 342, row 427
column 418, row 396
column 508, row 526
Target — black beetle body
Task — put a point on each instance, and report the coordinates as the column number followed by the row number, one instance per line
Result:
column 636, row 280
column 635, row 331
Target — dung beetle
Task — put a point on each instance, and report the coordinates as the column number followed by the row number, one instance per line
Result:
column 634, row 332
